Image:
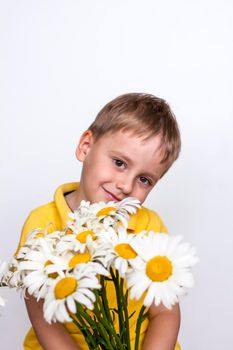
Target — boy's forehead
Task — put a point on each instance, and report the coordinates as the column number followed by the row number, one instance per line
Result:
column 121, row 139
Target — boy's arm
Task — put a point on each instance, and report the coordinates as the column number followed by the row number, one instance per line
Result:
column 163, row 328
column 51, row 337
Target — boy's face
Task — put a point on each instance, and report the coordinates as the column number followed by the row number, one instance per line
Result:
column 118, row 165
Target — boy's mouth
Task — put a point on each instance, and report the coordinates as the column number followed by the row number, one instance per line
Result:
column 111, row 196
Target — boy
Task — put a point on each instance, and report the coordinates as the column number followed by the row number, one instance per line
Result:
column 131, row 144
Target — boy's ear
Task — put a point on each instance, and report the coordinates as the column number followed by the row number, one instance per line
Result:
column 84, row 145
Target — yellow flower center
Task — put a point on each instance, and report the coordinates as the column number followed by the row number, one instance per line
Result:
column 159, row 268
column 82, row 237
column 38, row 235
column 125, row 251
column 68, row 231
column 53, row 274
column 48, row 262
column 78, row 259
column 105, row 211
column 65, row 287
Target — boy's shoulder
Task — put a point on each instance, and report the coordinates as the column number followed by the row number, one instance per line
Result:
column 146, row 219
column 41, row 217
column 44, row 213
column 54, row 211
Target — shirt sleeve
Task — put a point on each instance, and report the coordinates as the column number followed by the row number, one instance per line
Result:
column 146, row 219
column 155, row 222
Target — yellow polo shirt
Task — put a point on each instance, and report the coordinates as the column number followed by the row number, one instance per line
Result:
column 56, row 214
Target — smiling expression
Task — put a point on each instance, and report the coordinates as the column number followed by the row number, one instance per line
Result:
column 118, row 165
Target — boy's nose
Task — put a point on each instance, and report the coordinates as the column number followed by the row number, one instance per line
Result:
column 125, row 185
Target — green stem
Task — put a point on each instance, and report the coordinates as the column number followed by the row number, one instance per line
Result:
column 101, row 324
column 119, row 303
column 104, row 299
column 85, row 315
column 116, row 337
column 85, row 331
column 141, row 318
column 124, row 300
column 105, row 336
column 103, row 309
column 100, row 314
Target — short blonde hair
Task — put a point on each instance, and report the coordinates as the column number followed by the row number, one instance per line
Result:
column 143, row 114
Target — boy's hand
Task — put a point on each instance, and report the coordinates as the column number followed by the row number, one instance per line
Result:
column 163, row 328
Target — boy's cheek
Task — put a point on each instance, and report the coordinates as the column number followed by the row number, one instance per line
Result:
column 144, row 195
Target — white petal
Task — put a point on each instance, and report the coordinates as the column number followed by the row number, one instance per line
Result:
column 83, row 300
column 71, row 305
column 150, row 295
column 87, row 293
column 49, row 310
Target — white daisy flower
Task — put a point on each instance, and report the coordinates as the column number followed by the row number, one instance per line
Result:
column 13, row 277
column 119, row 251
column 78, row 224
column 164, row 270
column 100, row 215
column 34, row 267
column 18, row 268
column 106, row 213
column 75, row 241
column 22, row 252
column 36, row 238
column 68, row 289
column 116, row 211
column 92, row 256
column 84, row 218
column 129, row 204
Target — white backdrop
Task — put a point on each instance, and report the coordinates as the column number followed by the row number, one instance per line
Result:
column 61, row 61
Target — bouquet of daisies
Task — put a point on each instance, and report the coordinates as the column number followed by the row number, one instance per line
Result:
column 70, row 270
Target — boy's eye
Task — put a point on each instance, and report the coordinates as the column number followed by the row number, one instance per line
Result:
column 144, row 180
column 119, row 163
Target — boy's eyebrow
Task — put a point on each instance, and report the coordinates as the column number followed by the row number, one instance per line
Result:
column 122, row 155
column 154, row 176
